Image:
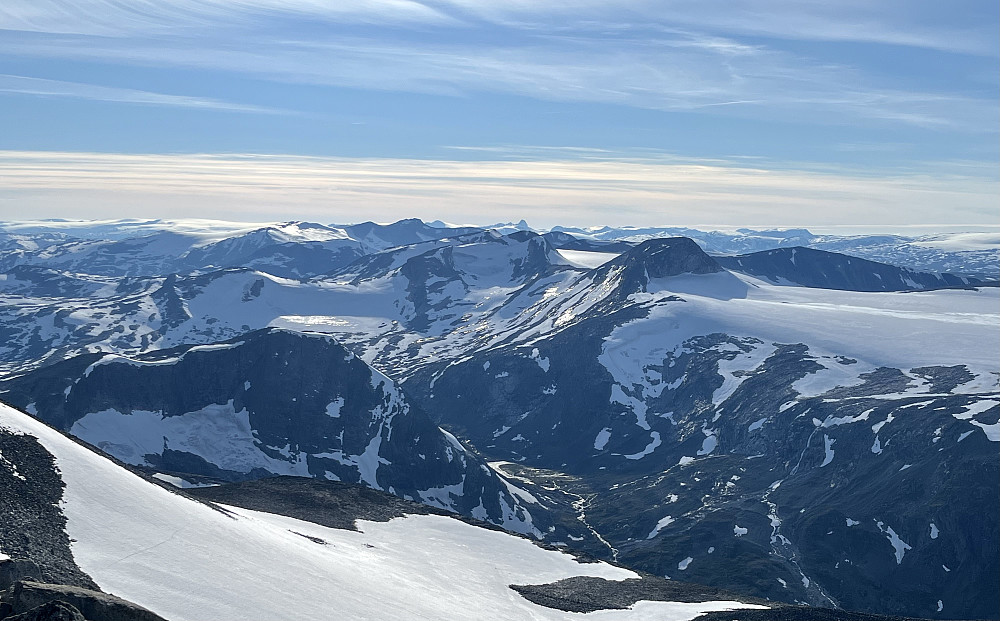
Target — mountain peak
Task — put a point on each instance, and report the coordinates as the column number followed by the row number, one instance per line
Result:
column 671, row 256
column 656, row 258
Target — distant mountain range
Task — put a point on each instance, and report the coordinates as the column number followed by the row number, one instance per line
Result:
column 303, row 249
column 781, row 421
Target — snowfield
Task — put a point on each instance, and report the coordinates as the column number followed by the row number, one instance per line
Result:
column 901, row 330
column 188, row 561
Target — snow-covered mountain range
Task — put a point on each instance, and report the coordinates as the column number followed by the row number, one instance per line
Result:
column 748, row 410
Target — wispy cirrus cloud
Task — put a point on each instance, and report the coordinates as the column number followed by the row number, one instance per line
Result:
column 114, row 18
column 24, row 85
column 674, row 55
column 676, row 73
column 956, row 26
column 639, row 191
column 953, row 27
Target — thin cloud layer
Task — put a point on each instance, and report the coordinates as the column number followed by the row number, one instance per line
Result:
column 548, row 192
column 57, row 88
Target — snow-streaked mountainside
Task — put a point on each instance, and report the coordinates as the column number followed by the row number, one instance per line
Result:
column 794, row 423
column 271, row 403
column 188, row 560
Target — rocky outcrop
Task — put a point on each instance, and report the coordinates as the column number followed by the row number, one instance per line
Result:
column 38, row 599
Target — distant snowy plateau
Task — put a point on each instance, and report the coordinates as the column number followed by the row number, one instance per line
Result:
column 421, row 421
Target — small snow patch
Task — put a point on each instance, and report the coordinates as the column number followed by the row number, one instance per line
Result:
column 663, row 523
column 827, row 446
column 684, row 564
column 739, row 531
column 543, row 363
column 602, row 438
column 333, row 408
column 934, row 531
column 654, row 442
column 877, row 446
column 899, row 546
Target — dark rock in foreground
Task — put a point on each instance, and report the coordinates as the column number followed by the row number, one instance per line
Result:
column 51, row 611
column 26, row 597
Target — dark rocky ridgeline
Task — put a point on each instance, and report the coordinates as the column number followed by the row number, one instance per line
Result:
column 327, row 503
column 590, row 594
column 832, row 270
column 32, row 526
column 270, row 402
column 797, row 613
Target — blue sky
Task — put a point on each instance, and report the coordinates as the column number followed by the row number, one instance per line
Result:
column 746, row 112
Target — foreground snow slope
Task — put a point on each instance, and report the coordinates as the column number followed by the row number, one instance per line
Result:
column 186, row 560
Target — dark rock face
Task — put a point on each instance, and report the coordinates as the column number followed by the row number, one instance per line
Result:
column 831, row 270
column 94, row 605
column 271, row 402
column 327, row 503
column 796, row 613
column 589, row 594
column 32, row 526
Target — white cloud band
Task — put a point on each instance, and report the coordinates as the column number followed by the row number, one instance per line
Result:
column 547, row 192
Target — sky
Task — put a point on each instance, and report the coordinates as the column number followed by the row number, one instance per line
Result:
column 876, row 115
